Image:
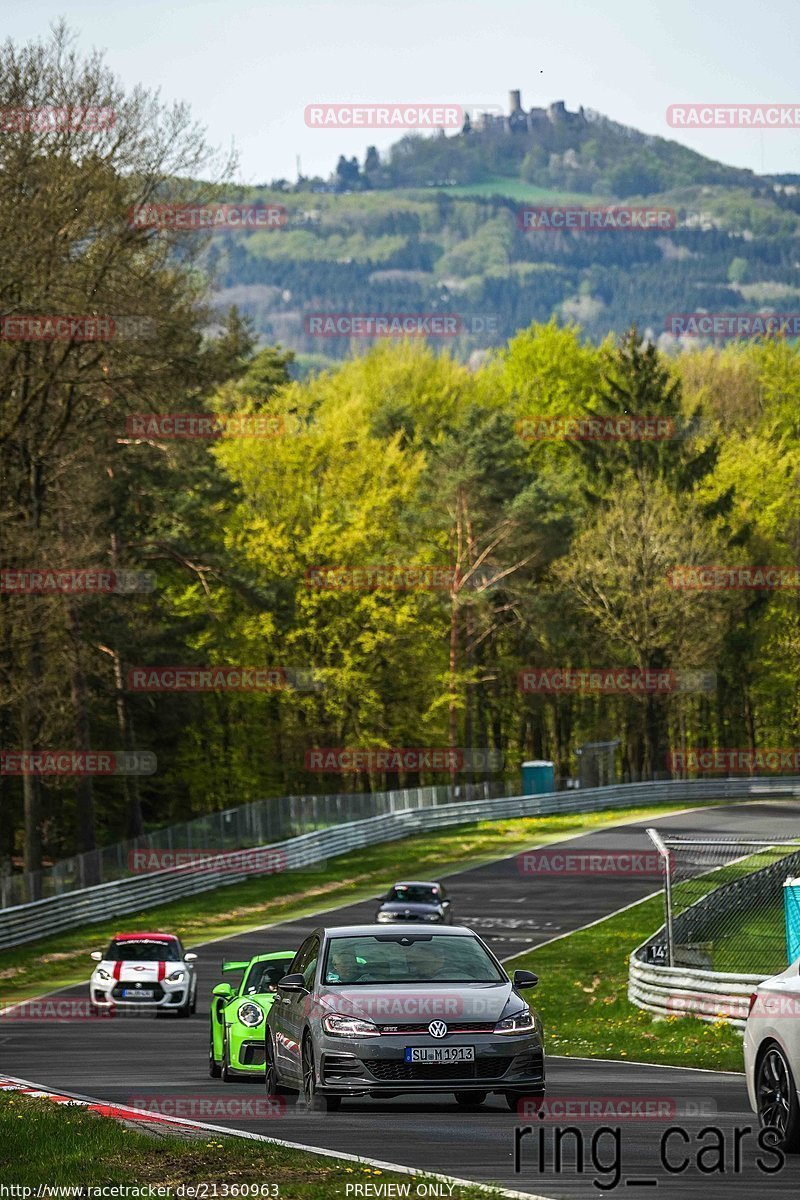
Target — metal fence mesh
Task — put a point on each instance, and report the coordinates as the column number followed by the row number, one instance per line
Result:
column 724, row 908
column 256, row 824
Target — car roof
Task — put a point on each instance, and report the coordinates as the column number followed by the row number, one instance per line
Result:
column 396, row 927
column 416, row 883
column 124, row 937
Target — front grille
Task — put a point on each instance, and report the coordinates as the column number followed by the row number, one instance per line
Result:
column 396, row 1071
column 459, row 1030
column 155, row 988
column 252, row 1054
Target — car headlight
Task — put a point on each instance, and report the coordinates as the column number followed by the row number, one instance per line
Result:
column 175, row 977
column 102, row 974
column 433, row 917
column 520, row 1022
column 349, row 1027
column 250, row 1014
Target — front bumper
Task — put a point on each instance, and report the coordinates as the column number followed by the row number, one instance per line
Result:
column 377, row 1065
column 246, row 1049
column 167, row 995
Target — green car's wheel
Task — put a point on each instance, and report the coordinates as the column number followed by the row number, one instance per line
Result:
column 213, row 1066
column 313, row 1100
column 225, row 1072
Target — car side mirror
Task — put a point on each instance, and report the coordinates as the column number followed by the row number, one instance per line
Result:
column 223, row 989
column 524, row 979
column 293, row 983
column 190, row 957
column 96, row 955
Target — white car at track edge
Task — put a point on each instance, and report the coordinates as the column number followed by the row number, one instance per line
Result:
column 145, row 970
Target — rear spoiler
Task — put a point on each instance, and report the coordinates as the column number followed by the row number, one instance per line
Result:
column 234, row 966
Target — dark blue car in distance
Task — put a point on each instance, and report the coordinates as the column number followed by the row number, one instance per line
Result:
column 415, row 900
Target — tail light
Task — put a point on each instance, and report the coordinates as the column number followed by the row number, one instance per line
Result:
column 753, row 998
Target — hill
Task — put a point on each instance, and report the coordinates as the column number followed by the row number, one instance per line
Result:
column 434, row 229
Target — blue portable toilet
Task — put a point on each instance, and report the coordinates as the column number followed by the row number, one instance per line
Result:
column 538, row 777
column 791, row 904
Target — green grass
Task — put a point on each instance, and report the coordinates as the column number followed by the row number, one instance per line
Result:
column 41, row 1142
column 752, row 941
column 62, row 960
column 583, row 999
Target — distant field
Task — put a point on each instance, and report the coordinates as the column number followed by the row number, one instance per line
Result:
column 518, row 189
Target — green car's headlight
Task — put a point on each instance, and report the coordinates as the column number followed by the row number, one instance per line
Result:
column 521, row 1022
column 250, row 1014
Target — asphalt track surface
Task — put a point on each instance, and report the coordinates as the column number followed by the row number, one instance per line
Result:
column 139, row 1060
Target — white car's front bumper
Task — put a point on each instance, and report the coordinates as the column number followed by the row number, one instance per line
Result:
column 110, row 993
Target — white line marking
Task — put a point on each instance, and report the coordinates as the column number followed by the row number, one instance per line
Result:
column 261, row 1137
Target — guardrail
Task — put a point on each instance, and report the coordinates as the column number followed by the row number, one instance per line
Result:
column 254, row 824
column 42, row 918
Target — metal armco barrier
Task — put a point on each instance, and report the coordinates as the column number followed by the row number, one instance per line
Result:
column 41, row 918
column 684, row 991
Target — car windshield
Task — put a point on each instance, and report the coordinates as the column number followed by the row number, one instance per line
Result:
column 414, row 893
column 143, row 950
column 408, row 959
column 263, row 976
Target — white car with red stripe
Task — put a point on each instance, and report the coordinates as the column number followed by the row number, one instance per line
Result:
column 145, row 970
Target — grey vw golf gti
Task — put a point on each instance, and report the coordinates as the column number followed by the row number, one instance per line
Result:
column 371, row 1011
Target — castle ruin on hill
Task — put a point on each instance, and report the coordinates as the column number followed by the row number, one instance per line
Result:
column 518, row 121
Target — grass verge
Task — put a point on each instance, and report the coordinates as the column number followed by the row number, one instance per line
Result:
column 583, row 1000
column 61, row 961
column 45, row 1143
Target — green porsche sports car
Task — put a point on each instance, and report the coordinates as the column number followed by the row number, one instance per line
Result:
column 236, row 1034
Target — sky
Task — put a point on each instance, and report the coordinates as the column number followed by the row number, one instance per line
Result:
column 248, row 70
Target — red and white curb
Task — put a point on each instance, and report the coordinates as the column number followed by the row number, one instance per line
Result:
column 8, row 1083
